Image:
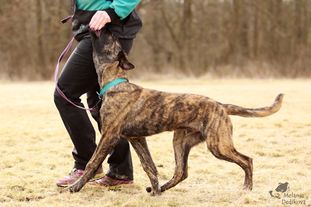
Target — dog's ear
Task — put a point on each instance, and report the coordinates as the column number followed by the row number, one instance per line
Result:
column 123, row 61
column 93, row 36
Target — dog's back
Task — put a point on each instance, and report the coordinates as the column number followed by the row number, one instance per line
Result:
column 155, row 111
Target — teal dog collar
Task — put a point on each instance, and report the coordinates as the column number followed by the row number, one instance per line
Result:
column 111, row 84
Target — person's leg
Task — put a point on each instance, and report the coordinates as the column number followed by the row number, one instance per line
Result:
column 78, row 77
column 120, row 160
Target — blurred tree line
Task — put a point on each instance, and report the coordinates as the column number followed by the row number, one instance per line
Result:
column 247, row 38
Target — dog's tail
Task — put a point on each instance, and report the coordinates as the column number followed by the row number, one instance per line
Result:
column 255, row 112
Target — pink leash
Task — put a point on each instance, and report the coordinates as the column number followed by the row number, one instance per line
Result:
column 60, row 92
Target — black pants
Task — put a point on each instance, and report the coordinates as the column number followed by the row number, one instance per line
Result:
column 79, row 77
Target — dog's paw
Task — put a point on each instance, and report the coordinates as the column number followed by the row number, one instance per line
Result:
column 75, row 188
column 247, row 187
column 153, row 192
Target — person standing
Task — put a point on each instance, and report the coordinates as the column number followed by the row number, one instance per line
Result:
column 79, row 77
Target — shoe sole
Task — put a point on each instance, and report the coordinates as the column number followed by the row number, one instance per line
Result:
column 94, row 183
column 97, row 176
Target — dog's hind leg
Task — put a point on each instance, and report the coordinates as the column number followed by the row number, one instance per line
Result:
column 183, row 141
column 219, row 142
column 141, row 148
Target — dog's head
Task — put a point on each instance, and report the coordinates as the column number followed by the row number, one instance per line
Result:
column 108, row 53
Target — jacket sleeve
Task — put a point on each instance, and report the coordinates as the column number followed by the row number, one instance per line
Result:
column 120, row 9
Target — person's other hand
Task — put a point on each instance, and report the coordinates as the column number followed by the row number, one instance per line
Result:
column 99, row 20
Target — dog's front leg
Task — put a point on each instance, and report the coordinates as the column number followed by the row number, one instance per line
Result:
column 106, row 144
column 141, row 148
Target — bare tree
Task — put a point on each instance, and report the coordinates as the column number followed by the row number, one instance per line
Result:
column 190, row 36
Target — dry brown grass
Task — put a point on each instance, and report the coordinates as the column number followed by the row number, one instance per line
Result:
column 36, row 150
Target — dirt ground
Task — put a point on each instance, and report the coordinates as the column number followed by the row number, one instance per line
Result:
column 36, row 150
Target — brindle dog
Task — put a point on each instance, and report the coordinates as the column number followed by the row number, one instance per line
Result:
column 133, row 112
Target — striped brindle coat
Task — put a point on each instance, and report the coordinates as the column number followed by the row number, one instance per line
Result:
column 134, row 112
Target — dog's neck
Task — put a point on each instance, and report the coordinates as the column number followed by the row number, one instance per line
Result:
column 111, row 72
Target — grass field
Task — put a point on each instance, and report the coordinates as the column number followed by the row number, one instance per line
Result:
column 36, row 150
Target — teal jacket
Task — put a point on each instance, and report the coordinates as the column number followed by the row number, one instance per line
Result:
column 125, row 22
column 121, row 7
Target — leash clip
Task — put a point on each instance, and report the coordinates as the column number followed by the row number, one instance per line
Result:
column 99, row 96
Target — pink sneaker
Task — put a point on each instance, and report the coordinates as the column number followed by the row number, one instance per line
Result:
column 74, row 175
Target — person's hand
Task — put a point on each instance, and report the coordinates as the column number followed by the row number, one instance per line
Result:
column 99, row 20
